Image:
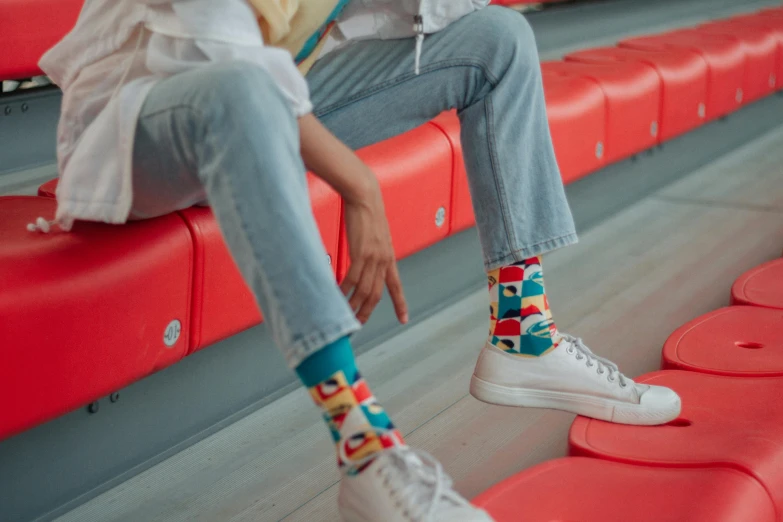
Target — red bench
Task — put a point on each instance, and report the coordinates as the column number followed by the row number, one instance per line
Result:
column 28, row 28
column 576, row 109
column 591, row 490
column 726, row 422
column 683, row 76
column 761, row 49
column 740, row 341
column 761, row 286
column 88, row 312
column 632, row 95
column 725, row 60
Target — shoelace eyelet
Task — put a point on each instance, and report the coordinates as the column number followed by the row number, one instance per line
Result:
column 600, row 371
column 610, row 378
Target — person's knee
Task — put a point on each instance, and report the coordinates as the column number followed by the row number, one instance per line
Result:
column 242, row 92
column 512, row 37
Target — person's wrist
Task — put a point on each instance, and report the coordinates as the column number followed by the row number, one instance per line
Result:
column 362, row 188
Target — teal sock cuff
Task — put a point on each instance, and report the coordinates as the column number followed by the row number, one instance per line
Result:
column 327, row 361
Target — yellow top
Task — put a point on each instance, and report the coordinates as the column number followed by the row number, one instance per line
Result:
column 299, row 26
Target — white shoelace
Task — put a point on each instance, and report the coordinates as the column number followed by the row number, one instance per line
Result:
column 415, row 480
column 581, row 351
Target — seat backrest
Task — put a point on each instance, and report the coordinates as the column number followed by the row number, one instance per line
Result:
column 28, row 28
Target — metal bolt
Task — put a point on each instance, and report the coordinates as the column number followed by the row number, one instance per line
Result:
column 654, row 128
column 7, row 110
column 740, row 95
column 114, row 397
column 25, row 107
column 599, row 150
column 440, row 217
column 329, row 259
column 772, row 80
column 93, row 407
column 702, row 110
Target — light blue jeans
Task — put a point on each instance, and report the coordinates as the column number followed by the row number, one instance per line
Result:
column 224, row 133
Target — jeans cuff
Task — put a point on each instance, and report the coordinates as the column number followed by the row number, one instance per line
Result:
column 299, row 350
column 527, row 252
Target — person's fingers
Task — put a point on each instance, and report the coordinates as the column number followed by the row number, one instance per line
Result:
column 374, row 297
column 364, row 286
column 394, row 284
column 352, row 277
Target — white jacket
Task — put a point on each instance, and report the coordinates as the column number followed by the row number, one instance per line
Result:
column 120, row 49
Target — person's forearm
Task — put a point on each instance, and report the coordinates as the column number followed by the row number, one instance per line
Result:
column 331, row 160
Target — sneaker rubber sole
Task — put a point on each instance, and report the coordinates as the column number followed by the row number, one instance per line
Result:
column 594, row 407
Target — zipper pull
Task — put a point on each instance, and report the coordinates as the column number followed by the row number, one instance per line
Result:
column 418, row 28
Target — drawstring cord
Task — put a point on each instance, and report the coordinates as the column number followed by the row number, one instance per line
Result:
column 45, row 226
column 418, row 27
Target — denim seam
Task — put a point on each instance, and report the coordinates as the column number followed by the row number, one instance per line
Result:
column 435, row 67
column 494, row 162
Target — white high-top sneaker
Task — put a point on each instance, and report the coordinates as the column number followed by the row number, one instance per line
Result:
column 404, row 485
column 573, row 379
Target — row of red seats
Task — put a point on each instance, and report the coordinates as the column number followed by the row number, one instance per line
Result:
column 720, row 461
column 114, row 304
column 655, row 88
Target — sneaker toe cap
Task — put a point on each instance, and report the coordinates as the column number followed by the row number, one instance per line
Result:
column 659, row 397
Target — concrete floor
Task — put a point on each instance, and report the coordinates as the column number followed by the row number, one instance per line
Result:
column 630, row 282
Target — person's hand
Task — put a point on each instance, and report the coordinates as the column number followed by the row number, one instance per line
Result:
column 372, row 256
column 369, row 241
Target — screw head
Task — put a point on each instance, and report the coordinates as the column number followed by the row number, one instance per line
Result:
column 740, row 95
column 329, row 259
column 25, row 107
column 440, row 217
column 599, row 150
column 654, row 128
column 114, row 397
column 7, row 110
column 702, row 110
column 772, row 80
column 93, row 407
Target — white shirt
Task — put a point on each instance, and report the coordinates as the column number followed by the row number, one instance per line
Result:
column 119, row 50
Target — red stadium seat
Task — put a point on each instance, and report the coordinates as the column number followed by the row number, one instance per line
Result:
column 85, row 313
column 576, row 109
column 773, row 24
column 761, row 286
column 737, row 341
column 461, row 205
column 728, row 422
column 633, row 97
column 761, row 49
column 28, row 28
column 725, row 59
column 222, row 303
column 581, row 490
column 48, row 189
column 414, row 171
column 683, row 77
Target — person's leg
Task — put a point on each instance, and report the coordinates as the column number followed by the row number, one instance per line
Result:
column 224, row 133
column 486, row 66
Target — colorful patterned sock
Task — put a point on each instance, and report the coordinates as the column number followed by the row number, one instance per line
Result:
column 520, row 319
column 358, row 424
